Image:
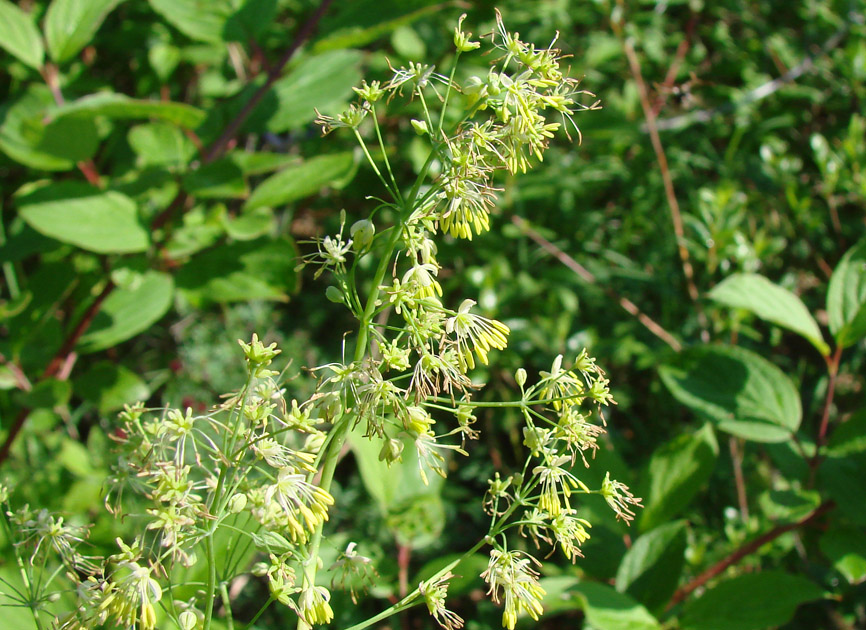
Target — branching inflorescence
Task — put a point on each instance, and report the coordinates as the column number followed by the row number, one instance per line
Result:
column 259, row 468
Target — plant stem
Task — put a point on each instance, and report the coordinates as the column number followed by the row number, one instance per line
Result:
column 259, row 613
column 210, row 588
column 747, row 549
column 227, row 604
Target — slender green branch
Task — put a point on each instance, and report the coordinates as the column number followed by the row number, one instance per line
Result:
column 372, row 162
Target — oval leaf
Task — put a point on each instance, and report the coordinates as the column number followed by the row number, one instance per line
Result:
column 121, row 107
column 19, row 35
column 749, row 602
column 253, row 270
column 675, row 474
column 302, row 180
column 70, row 25
column 161, row 144
column 95, row 220
column 772, row 303
column 743, row 393
column 651, row 568
column 203, row 20
column 842, row 472
column 320, row 82
column 110, row 386
column 846, row 297
column 56, row 146
column 606, row 609
column 129, row 311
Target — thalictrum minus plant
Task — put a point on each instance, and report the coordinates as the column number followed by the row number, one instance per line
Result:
column 259, row 467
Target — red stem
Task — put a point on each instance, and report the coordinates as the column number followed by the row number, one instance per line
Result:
column 684, row 591
column 57, row 362
column 216, row 149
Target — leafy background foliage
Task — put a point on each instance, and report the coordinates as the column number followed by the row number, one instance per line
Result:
column 160, row 175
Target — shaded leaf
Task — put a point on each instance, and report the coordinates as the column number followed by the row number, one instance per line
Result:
column 842, row 472
column 320, row 82
column 676, row 472
column 412, row 509
column 846, row 297
column 606, row 609
column 250, row 224
column 71, row 24
column 47, row 394
column 110, row 386
column 845, row 546
column 121, row 107
column 651, row 568
column 789, row 506
column 753, row 601
column 26, row 138
column 742, row 392
column 303, row 180
column 129, row 311
column 239, row 272
column 19, row 35
column 202, row 20
column 80, row 214
column 771, row 302
column 360, row 22
column 222, row 179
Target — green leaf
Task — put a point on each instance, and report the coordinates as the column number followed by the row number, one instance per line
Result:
column 412, row 510
column 202, row 227
column 251, row 224
column 75, row 457
column 80, row 214
column 202, row 20
column 222, row 179
column 390, row 485
column 110, row 386
column 651, row 568
column 47, row 394
column 753, row 601
column 842, row 472
column 742, row 392
column 253, row 270
column 606, row 609
column 846, row 297
column 320, row 82
column 129, row 311
column 360, row 22
column 262, row 162
column 121, row 107
column 19, row 35
column 676, row 472
column 303, row 180
column 250, row 19
column 161, row 144
column 789, row 506
column 770, row 302
column 71, row 24
column 845, row 546
column 56, row 146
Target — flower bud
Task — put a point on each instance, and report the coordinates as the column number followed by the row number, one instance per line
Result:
column 520, row 377
column 420, row 127
column 187, row 620
column 362, row 234
column 237, row 503
column 392, row 451
column 334, row 295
